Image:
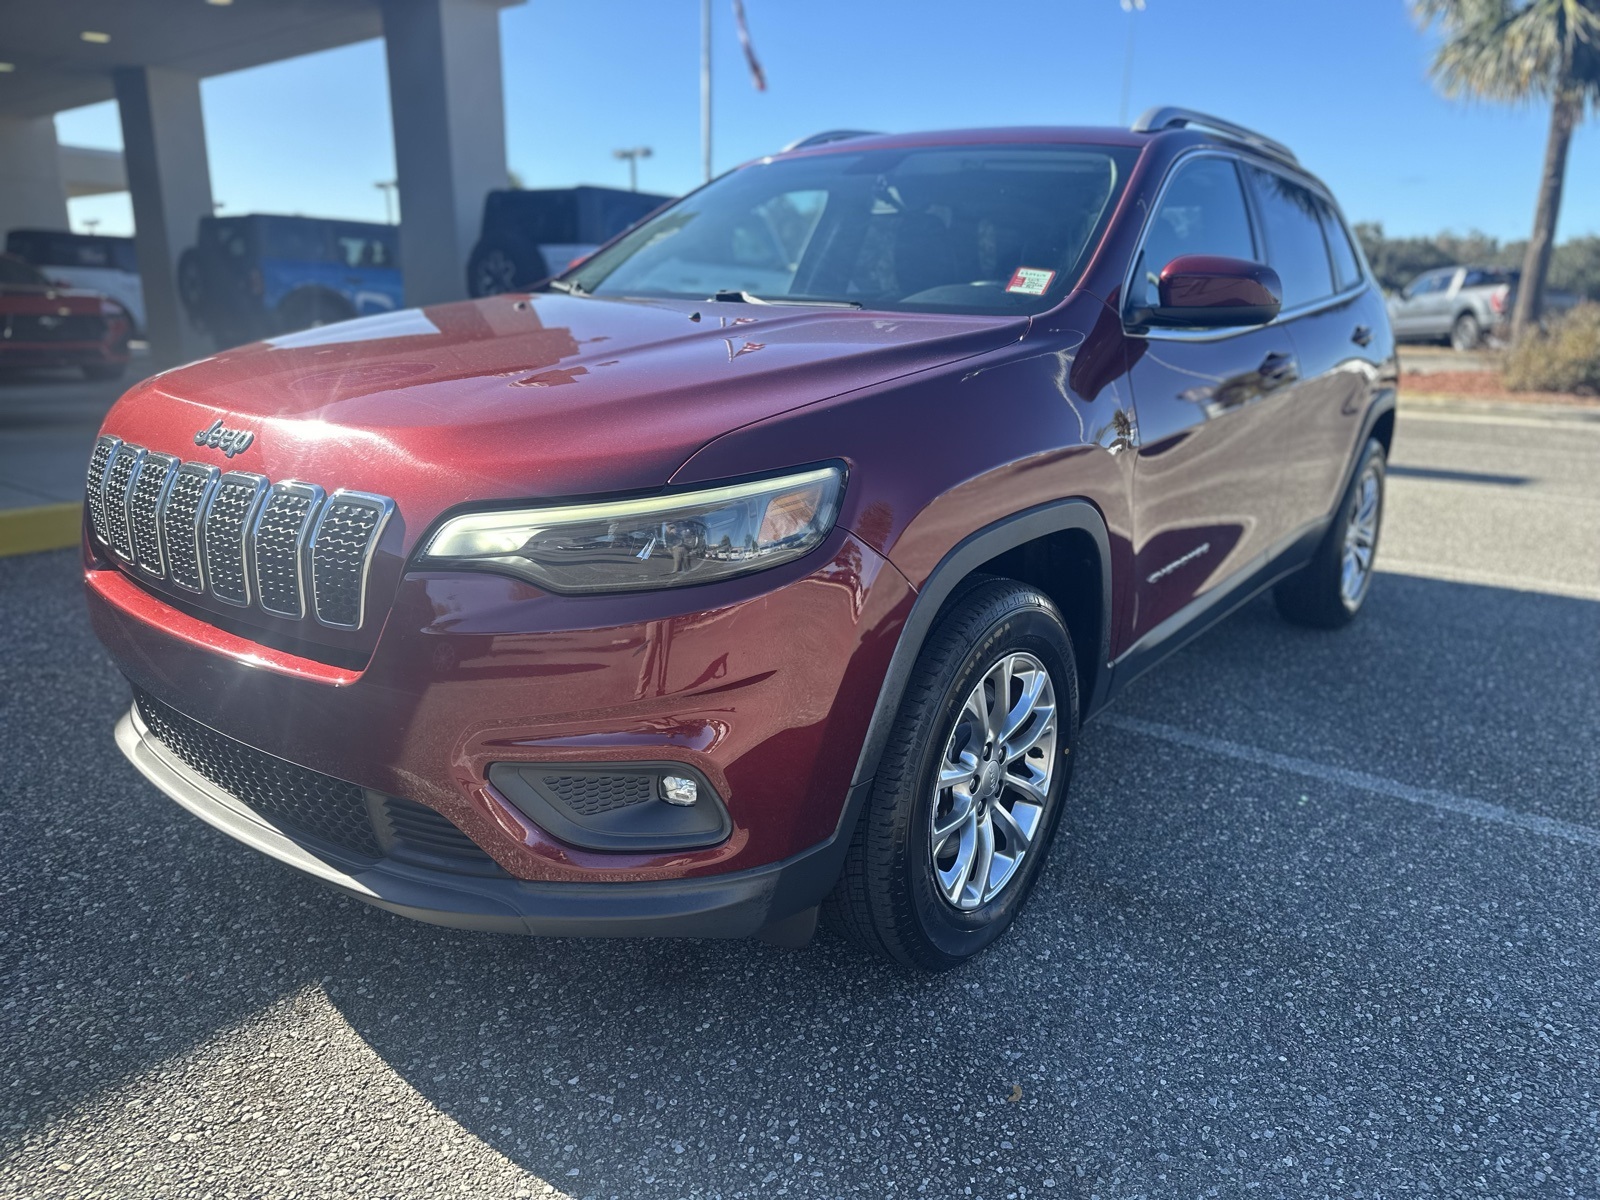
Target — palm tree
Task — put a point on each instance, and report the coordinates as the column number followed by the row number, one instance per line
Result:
column 1520, row 52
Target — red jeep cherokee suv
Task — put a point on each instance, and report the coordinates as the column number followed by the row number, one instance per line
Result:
column 769, row 560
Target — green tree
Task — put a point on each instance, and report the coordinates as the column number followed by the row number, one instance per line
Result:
column 1523, row 52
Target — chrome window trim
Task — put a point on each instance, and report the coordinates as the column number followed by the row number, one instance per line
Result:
column 314, row 496
column 385, row 508
column 259, row 485
column 1284, row 316
column 138, row 453
column 173, row 463
column 210, row 475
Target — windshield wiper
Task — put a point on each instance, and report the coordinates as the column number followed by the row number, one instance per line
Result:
column 730, row 296
column 566, row 286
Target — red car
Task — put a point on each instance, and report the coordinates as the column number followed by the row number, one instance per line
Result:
column 767, row 562
column 45, row 325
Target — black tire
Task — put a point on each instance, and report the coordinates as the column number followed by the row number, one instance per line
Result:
column 502, row 263
column 1316, row 595
column 1466, row 333
column 310, row 307
column 887, row 899
column 192, row 286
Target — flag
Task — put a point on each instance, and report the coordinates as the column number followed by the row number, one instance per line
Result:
column 757, row 75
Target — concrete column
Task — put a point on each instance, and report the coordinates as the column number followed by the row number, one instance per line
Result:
column 169, row 180
column 31, row 195
column 448, row 107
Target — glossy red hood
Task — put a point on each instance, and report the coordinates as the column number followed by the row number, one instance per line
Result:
column 541, row 396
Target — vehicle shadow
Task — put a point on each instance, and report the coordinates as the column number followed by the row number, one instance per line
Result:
column 1228, row 974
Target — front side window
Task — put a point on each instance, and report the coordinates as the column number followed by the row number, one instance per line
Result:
column 950, row 229
column 1202, row 211
column 1296, row 249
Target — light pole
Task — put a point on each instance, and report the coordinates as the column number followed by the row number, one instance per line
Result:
column 387, row 187
column 705, row 87
column 1133, row 8
column 633, row 154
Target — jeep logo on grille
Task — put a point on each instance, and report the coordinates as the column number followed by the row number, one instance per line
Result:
column 229, row 441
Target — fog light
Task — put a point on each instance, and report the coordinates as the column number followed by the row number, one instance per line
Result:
column 675, row 789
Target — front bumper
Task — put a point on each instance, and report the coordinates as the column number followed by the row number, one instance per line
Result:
column 765, row 685
column 737, row 904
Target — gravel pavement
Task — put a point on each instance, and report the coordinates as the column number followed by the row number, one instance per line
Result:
column 1324, row 922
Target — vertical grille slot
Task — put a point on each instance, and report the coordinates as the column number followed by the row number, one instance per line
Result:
column 342, row 544
column 281, row 532
column 114, row 498
column 94, row 485
column 144, row 509
column 228, row 519
column 181, row 517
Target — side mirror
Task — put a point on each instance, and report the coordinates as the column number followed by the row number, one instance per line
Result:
column 1208, row 291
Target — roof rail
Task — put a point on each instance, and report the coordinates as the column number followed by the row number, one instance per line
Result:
column 831, row 135
column 1163, row 117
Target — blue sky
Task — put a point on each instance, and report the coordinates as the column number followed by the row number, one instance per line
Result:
column 1343, row 81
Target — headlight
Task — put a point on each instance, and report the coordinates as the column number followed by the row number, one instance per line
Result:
column 633, row 545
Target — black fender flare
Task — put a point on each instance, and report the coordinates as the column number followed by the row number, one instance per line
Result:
column 1056, row 516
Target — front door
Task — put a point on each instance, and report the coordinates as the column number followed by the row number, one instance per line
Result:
column 1205, row 479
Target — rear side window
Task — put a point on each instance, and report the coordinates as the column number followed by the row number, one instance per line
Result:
column 1346, row 266
column 1202, row 211
column 1296, row 249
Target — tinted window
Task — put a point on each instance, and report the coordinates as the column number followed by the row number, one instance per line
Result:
column 18, row 273
column 49, row 249
column 1346, row 266
column 541, row 217
column 970, row 229
column 1296, row 249
column 1485, row 277
column 1202, row 212
column 1433, row 281
column 294, row 240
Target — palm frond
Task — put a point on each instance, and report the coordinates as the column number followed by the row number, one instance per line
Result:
column 1515, row 51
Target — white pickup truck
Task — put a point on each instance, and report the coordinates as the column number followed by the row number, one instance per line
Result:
column 1461, row 305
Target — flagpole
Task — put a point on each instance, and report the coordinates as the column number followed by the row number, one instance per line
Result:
column 705, row 87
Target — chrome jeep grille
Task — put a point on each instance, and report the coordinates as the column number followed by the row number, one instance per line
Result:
column 287, row 548
column 228, row 519
column 144, row 502
column 120, row 471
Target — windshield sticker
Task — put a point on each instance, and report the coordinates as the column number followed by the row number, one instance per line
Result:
column 1031, row 281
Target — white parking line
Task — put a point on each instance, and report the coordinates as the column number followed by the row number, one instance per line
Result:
column 1583, row 419
column 1376, row 784
column 1514, row 583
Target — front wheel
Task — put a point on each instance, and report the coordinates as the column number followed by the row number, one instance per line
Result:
column 971, row 784
column 1329, row 591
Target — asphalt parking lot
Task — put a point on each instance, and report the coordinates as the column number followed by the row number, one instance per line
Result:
column 1324, row 922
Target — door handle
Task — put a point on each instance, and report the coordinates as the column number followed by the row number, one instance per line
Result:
column 1277, row 368
column 1362, row 336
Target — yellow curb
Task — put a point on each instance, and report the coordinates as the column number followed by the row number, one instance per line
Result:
column 48, row 527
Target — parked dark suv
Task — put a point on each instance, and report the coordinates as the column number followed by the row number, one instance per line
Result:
column 712, row 586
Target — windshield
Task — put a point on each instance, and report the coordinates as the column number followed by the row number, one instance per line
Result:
column 1000, row 229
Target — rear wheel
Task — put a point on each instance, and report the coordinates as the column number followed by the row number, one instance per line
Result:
column 1466, row 333
column 1330, row 590
column 970, row 787
column 504, row 263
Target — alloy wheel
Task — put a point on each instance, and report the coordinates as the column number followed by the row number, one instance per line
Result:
column 994, row 782
column 1361, row 537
